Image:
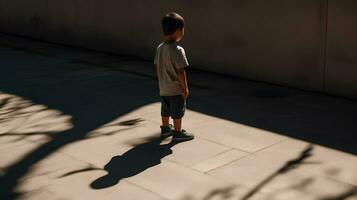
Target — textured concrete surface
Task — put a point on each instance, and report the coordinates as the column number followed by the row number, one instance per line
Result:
column 302, row 44
column 341, row 48
column 76, row 124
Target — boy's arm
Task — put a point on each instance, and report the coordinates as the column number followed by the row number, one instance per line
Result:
column 181, row 63
column 183, row 81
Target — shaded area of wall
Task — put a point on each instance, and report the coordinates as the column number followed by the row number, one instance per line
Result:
column 280, row 41
column 274, row 41
column 341, row 63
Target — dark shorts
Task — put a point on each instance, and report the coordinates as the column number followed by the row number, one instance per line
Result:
column 173, row 106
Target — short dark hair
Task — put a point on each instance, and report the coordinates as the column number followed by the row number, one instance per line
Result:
column 171, row 22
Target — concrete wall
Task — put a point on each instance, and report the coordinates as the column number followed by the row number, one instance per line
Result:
column 278, row 41
column 341, row 63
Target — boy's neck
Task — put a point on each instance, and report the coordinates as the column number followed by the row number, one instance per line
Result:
column 170, row 40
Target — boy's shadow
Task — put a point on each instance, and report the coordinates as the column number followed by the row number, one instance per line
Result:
column 133, row 162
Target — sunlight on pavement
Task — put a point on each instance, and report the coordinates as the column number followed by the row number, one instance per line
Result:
column 25, row 126
column 226, row 160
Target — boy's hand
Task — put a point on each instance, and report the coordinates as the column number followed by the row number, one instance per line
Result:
column 185, row 94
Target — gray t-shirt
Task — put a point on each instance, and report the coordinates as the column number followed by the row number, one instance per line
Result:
column 169, row 59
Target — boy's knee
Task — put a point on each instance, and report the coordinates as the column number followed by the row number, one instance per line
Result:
column 165, row 113
column 178, row 107
column 178, row 115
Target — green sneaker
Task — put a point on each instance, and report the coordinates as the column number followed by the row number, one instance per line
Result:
column 180, row 136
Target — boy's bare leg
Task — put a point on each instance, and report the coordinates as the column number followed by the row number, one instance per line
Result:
column 177, row 124
column 165, row 121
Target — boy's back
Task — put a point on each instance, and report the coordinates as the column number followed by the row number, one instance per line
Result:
column 169, row 59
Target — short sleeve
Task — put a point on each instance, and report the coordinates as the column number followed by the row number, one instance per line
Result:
column 155, row 59
column 180, row 59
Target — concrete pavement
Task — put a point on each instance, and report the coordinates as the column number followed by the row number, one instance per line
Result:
column 76, row 124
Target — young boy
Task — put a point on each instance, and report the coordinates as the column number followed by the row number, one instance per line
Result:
column 170, row 61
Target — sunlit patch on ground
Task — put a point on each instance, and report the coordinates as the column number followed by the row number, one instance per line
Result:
column 25, row 125
column 22, row 119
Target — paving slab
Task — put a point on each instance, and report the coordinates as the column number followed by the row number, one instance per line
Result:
column 50, row 170
column 39, row 194
column 324, row 161
column 97, row 151
column 219, row 160
column 237, row 136
column 196, row 151
column 14, row 153
column 280, row 171
column 173, row 181
column 78, row 187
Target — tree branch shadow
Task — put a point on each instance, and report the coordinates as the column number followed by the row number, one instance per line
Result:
column 343, row 196
column 289, row 165
column 39, row 120
column 228, row 192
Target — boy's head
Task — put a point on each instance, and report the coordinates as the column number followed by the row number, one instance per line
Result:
column 173, row 26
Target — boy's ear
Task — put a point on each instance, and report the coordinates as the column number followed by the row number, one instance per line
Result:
column 177, row 31
column 180, row 29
